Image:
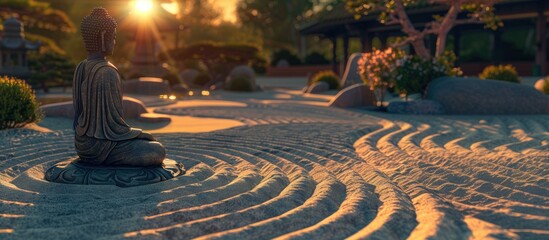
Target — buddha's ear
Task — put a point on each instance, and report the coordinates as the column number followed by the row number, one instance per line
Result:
column 103, row 47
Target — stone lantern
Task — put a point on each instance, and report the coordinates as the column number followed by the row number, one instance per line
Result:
column 13, row 50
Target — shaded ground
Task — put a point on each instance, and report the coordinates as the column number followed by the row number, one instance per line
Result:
column 294, row 168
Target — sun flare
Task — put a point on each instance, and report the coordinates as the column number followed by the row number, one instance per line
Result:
column 143, row 6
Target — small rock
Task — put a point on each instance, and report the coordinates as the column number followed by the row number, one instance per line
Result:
column 318, row 87
column 357, row 95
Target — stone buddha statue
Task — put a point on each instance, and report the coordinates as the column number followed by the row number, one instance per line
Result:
column 102, row 137
column 110, row 152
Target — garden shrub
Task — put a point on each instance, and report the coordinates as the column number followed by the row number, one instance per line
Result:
column 50, row 69
column 202, row 79
column 316, row 58
column 506, row 73
column 414, row 73
column 172, row 78
column 285, row 54
column 18, row 105
column 378, row 70
column 328, row 77
column 240, row 84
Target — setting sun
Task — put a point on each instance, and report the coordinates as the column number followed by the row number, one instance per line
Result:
column 143, row 6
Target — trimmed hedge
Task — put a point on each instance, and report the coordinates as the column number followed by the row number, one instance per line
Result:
column 18, row 105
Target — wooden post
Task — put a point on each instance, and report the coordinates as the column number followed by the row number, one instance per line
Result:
column 345, row 52
column 365, row 42
column 334, row 54
column 541, row 41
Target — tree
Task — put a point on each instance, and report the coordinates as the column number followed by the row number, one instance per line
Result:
column 40, row 17
column 50, row 68
column 394, row 12
column 276, row 19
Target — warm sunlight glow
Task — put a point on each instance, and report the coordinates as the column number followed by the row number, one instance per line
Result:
column 172, row 7
column 143, row 6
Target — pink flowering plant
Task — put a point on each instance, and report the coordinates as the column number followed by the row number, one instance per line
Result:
column 378, row 70
column 408, row 74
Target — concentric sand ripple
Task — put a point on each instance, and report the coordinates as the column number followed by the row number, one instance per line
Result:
column 298, row 171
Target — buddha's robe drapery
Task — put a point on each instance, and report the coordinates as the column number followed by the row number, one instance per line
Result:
column 101, row 134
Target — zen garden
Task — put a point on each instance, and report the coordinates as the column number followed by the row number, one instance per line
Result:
column 262, row 119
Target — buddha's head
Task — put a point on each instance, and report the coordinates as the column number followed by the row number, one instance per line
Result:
column 99, row 32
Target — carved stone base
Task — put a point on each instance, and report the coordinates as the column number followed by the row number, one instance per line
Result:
column 77, row 172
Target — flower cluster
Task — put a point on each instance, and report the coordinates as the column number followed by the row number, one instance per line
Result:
column 407, row 73
column 377, row 68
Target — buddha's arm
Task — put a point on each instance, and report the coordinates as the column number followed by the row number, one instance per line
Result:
column 109, row 107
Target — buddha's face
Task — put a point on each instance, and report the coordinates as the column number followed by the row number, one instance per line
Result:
column 109, row 44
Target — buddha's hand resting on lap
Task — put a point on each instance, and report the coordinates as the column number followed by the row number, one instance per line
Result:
column 147, row 136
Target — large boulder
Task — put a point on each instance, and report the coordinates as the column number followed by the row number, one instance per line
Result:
column 356, row 95
column 318, row 87
column 146, row 86
column 351, row 76
column 475, row 96
column 132, row 107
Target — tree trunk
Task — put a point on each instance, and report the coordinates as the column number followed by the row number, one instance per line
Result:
column 421, row 50
column 441, row 43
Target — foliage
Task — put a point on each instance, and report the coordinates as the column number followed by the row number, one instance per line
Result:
column 285, row 54
column 260, row 65
column 276, row 20
column 194, row 64
column 50, row 68
column 172, row 78
column 394, row 12
column 328, row 77
column 18, row 105
column 506, row 73
column 414, row 73
column 378, row 68
column 202, row 79
column 209, row 53
column 41, row 21
column 240, row 84
column 316, row 58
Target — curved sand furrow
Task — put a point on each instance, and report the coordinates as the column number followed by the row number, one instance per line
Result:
column 298, row 171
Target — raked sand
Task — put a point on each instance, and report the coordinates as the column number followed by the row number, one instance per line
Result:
column 282, row 169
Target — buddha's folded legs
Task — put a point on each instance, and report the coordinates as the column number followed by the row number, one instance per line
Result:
column 136, row 152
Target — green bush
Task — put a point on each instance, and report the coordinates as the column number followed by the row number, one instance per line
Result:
column 413, row 73
column 326, row 76
column 202, row 79
column 50, row 69
column 18, row 105
column 506, row 73
column 285, row 54
column 172, row 78
column 316, row 58
column 240, row 84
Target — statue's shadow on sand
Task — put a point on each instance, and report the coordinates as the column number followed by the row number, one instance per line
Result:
column 74, row 171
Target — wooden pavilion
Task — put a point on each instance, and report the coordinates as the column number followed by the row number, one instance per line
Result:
column 522, row 41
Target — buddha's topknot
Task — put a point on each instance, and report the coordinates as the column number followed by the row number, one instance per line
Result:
column 92, row 26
